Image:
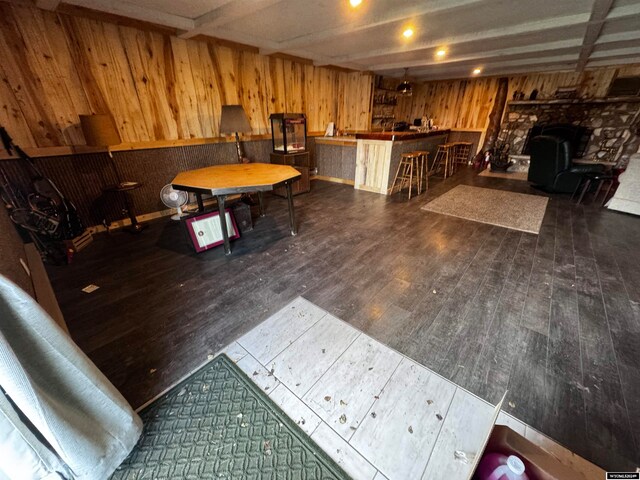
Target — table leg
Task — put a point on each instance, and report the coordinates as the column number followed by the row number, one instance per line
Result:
column 223, row 224
column 135, row 226
column 200, row 202
column 292, row 216
column 261, row 204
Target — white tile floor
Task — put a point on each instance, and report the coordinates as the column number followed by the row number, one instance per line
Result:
column 377, row 413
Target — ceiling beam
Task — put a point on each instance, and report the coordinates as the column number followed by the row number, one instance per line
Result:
column 624, row 11
column 618, row 37
column 224, row 14
column 494, row 33
column 612, row 61
column 599, row 12
column 490, row 68
column 136, row 12
column 506, row 72
column 484, row 55
column 373, row 20
column 48, row 4
column 237, row 37
column 617, row 52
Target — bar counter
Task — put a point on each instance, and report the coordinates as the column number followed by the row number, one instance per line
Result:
column 369, row 160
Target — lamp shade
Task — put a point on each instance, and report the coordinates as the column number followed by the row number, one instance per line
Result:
column 233, row 119
column 99, row 130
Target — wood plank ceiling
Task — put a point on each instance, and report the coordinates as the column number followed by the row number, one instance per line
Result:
column 495, row 36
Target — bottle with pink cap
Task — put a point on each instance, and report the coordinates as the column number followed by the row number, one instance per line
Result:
column 495, row 466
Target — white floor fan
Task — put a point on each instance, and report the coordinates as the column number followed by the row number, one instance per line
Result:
column 174, row 199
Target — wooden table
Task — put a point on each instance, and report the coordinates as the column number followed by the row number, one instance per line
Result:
column 223, row 180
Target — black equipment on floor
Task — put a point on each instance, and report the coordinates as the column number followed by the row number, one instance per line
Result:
column 45, row 213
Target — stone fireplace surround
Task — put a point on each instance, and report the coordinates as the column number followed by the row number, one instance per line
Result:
column 615, row 121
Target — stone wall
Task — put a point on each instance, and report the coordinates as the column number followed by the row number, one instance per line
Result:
column 615, row 124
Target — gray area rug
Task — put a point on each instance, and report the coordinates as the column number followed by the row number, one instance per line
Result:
column 522, row 176
column 517, row 211
column 217, row 424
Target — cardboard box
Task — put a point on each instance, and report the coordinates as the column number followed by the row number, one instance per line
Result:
column 540, row 464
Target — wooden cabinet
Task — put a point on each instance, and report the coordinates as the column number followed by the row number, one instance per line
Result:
column 299, row 161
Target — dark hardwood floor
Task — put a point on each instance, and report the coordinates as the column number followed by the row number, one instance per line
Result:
column 554, row 318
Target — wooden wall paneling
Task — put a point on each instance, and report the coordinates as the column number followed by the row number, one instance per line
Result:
column 341, row 115
column 438, row 104
column 459, row 105
column 11, row 115
column 595, row 83
column 483, row 116
column 419, row 101
column 295, row 101
column 28, row 88
column 153, row 81
column 442, row 95
column 403, row 109
column 312, row 94
column 321, row 89
column 355, row 101
column 184, row 90
column 472, row 101
column 80, row 62
column 227, row 66
column 275, row 86
column 206, row 81
column 106, row 57
column 69, row 99
column 251, row 84
column 482, row 102
column 365, row 90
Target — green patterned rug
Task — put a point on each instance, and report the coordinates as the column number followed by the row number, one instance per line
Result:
column 218, row 425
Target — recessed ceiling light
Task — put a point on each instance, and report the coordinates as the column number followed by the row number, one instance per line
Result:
column 355, row 3
column 477, row 71
column 441, row 53
column 408, row 32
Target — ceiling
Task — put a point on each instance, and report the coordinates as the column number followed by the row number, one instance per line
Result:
column 496, row 36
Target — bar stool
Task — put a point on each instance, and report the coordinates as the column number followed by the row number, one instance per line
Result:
column 444, row 160
column 423, row 163
column 406, row 173
column 462, row 151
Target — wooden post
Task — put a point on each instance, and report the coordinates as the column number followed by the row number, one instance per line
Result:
column 495, row 117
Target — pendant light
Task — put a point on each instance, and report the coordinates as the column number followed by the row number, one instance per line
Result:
column 404, row 88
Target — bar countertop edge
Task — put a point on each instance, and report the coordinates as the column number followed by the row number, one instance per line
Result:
column 400, row 136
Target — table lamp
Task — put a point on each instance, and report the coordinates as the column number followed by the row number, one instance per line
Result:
column 234, row 120
column 100, row 131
